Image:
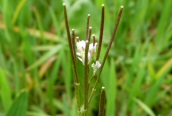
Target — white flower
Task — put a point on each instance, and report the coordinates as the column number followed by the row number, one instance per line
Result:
column 81, row 51
column 81, row 45
column 92, row 49
column 96, row 66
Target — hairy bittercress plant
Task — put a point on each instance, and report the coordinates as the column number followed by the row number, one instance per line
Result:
column 87, row 53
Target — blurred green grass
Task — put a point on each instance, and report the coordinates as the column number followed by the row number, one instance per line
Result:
column 34, row 57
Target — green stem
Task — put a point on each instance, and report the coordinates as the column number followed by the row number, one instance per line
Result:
column 93, row 76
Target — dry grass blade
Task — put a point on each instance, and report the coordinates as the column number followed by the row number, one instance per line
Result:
column 32, row 32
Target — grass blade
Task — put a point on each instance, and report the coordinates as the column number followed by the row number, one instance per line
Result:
column 144, row 107
column 45, row 57
column 19, row 106
column 5, row 91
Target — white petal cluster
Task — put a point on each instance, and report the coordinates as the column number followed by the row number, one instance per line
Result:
column 81, row 45
column 96, row 66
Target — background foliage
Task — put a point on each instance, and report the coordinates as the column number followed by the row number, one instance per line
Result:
column 35, row 65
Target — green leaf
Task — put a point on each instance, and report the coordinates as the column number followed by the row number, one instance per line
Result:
column 5, row 92
column 19, row 106
column 18, row 9
column 154, row 92
column 66, row 65
column 51, row 82
column 163, row 23
column 110, row 85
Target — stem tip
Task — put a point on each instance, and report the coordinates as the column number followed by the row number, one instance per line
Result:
column 103, row 88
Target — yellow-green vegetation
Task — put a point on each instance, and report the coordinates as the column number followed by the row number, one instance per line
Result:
column 36, row 77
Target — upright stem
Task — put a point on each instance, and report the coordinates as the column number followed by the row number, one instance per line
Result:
column 94, row 39
column 101, row 34
column 86, row 78
column 76, row 80
column 73, row 44
column 86, row 68
column 88, row 25
column 77, row 39
column 102, row 102
column 106, row 54
column 112, row 38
